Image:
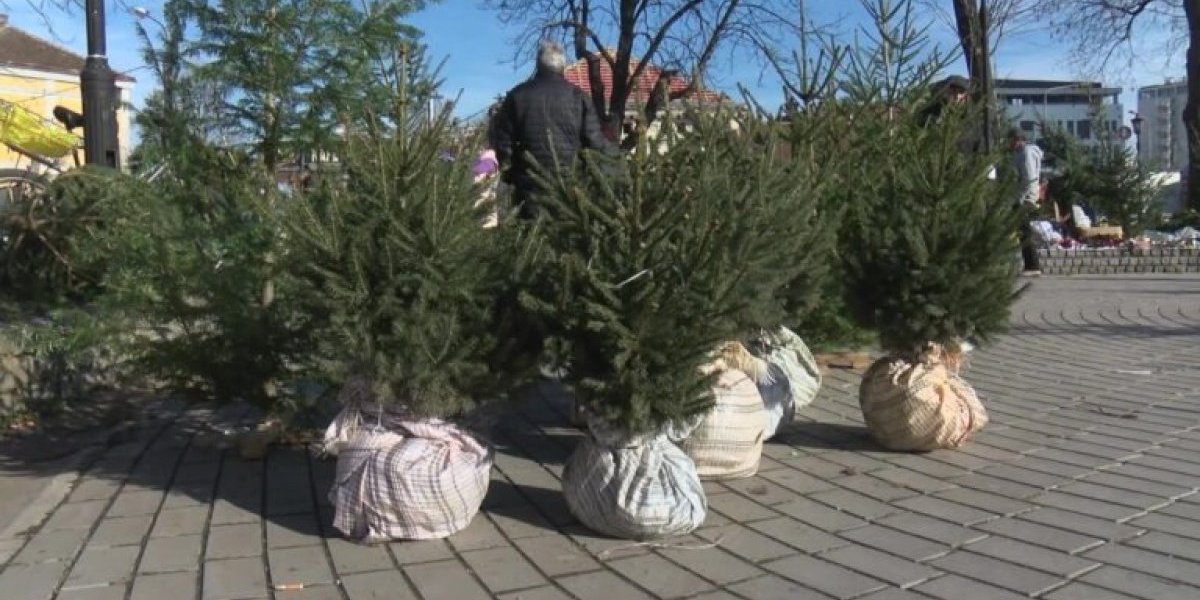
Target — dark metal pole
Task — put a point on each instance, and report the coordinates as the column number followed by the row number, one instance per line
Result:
column 985, row 56
column 100, row 144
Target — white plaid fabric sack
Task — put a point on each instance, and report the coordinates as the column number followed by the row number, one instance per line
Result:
column 729, row 440
column 404, row 478
column 793, row 377
column 919, row 406
column 634, row 487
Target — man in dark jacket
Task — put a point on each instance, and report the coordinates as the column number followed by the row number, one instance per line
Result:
column 545, row 121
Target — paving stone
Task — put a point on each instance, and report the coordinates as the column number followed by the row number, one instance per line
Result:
column 31, row 582
column 502, row 569
column 75, row 515
column 1034, row 557
column 1166, row 543
column 556, row 555
column 9, row 547
column 1140, row 585
column 944, row 510
column 480, row 534
column 824, row 576
column 1083, row 524
column 293, row 530
column 181, row 521
column 745, row 543
column 163, row 586
column 1112, row 480
column 228, row 512
column 48, row 546
column 773, row 587
column 122, row 531
column 1083, row 505
column 660, row 576
column 234, row 579
column 422, row 551
column 94, row 488
column 953, row 587
column 893, row 594
column 349, row 557
column 601, row 585
column 446, row 580
column 927, row 466
column 1114, row 495
column 378, row 585
column 1083, row 591
column 165, row 555
column 714, row 564
column 603, row 547
column 875, row 488
column 992, row 503
column 542, row 593
column 931, row 528
column 820, row 516
column 1041, row 535
column 304, row 564
column 132, row 502
column 995, row 572
column 521, row 521
column 798, row 535
column 897, row 571
column 1172, row 524
column 234, row 541
column 854, row 503
column 795, row 480
column 115, row 591
column 102, row 565
column 739, row 508
column 912, row 479
column 761, row 490
column 1017, row 474
column 895, row 542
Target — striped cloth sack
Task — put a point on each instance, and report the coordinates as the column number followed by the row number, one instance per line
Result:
column 399, row 477
column 729, row 440
column 634, row 487
column 793, row 376
column 919, row 406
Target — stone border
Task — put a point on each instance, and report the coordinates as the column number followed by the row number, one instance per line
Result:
column 1103, row 261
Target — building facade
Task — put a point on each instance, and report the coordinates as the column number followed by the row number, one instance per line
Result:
column 1163, row 141
column 39, row 75
column 1077, row 107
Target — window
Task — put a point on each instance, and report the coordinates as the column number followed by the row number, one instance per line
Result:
column 1083, row 129
column 1027, row 125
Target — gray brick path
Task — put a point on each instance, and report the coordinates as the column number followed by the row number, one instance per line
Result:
column 1083, row 487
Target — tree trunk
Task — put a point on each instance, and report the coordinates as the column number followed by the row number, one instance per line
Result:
column 966, row 20
column 1191, row 110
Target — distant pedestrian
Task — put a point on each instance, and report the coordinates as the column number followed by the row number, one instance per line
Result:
column 548, row 120
column 1027, row 162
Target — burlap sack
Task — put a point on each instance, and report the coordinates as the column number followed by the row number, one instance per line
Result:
column 729, row 440
column 403, row 478
column 792, row 380
column 919, row 406
column 634, row 486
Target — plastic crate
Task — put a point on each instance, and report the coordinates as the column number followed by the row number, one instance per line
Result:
column 26, row 132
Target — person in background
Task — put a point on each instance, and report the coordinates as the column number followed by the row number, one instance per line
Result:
column 484, row 172
column 1027, row 162
column 545, row 119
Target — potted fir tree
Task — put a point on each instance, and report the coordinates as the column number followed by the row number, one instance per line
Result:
column 404, row 278
column 647, row 276
column 930, row 250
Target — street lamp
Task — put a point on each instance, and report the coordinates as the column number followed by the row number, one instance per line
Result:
column 99, row 90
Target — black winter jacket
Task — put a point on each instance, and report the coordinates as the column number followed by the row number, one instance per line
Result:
column 544, row 118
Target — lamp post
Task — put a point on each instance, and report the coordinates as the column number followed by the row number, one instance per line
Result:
column 99, row 88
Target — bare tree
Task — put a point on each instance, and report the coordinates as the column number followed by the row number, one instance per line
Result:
column 680, row 36
column 1106, row 31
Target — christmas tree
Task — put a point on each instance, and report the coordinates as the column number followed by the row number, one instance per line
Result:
column 650, row 264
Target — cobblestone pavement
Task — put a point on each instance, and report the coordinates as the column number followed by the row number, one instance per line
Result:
column 1084, row 487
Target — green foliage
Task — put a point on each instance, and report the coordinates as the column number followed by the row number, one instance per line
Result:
column 643, row 275
column 931, row 244
column 1106, row 177
column 46, row 225
column 396, row 263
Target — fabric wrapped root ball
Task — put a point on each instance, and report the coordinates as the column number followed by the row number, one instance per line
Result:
column 727, row 444
column 634, row 487
column 792, row 380
column 922, row 405
column 404, row 478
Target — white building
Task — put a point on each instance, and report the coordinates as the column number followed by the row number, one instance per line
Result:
column 1163, row 143
column 1074, row 106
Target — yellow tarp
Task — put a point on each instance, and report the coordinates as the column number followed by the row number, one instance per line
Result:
column 26, row 132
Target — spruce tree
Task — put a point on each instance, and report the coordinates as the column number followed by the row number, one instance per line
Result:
column 651, row 263
column 401, row 273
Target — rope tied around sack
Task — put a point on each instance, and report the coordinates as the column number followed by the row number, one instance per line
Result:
column 662, row 546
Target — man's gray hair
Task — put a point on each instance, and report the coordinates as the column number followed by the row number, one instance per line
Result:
column 550, row 57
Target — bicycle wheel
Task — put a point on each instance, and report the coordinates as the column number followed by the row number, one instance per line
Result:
column 17, row 188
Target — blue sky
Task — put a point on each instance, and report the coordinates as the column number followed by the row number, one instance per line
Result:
column 478, row 48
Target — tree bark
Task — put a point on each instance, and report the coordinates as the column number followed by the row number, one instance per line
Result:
column 1191, row 110
column 966, row 20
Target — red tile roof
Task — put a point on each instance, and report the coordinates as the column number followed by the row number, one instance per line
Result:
column 577, row 74
column 21, row 50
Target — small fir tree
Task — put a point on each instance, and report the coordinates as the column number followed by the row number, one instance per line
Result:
column 646, row 272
